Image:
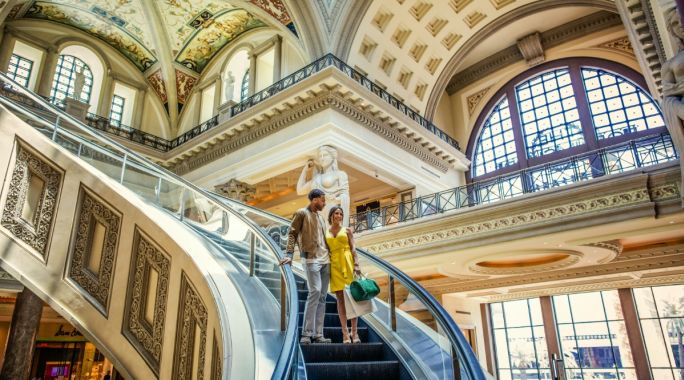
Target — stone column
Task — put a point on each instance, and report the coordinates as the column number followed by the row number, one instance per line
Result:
column 278, row 57
column 47, row 71
column 252, row 74
column 8, row 40
column 139, row 108
column 21, row 340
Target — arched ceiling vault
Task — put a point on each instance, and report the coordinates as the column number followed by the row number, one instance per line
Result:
column 416, row 47
column 169, row 41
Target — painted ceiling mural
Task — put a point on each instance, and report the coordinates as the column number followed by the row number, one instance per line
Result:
column 196, row 31
column 99, row 22
column 212, row 34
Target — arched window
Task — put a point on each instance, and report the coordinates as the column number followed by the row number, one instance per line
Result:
column 233, row 72
column 64, row 82
column 561, row 109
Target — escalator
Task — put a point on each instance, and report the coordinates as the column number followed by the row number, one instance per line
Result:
column 410, row 336
column 243, row 255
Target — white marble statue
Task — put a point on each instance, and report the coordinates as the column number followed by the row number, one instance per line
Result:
column 79, row 83
column 326, row 176
column 229, row 86
column 672, row 74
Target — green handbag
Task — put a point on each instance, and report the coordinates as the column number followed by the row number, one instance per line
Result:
column 363, row 288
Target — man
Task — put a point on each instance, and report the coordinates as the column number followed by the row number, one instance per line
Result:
column 308, row 230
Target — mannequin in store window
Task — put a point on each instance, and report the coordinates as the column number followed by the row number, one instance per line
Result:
column 672, row 74
column 326, row 176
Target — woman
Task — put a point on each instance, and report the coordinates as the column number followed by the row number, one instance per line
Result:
column 343, row 265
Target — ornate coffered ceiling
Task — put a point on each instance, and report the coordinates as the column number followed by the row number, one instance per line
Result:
column 170, row 41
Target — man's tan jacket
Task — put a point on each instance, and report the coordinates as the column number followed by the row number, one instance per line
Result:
column 305, row 230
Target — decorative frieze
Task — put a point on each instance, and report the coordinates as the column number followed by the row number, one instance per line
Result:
column 324, row 100
column 31, row 200
column 146, row 300
column 516, row 221
column 93, row 248
column 192, row 324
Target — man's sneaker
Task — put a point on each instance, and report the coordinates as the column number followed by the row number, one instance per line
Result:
column 305, row 340
column 321, row 339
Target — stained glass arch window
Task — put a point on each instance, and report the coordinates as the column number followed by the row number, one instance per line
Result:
column 558, row 110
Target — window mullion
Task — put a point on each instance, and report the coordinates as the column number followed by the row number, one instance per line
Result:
column 583, row 107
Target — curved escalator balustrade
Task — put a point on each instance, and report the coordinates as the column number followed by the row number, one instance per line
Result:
column 166, row 280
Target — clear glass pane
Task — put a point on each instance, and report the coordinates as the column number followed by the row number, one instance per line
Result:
column 103, row 160
column 139, row 180
column 656, row 347
column 501, row 344
column 621, row 348
column 587, row 307
column 562, row 309
column 611, row 301
column 645, row 303
column 516, row 313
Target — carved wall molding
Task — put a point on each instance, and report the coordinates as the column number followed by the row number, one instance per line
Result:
column 192, row 314
column 475, row 99
column 608, row 285
column 612, row 245
column 146, row 337
column 234, row 189
column 91, row 211
column 674, row 259
column 665, row 192
column 621, row 44
column 572, row 259
column 35, row 233
column 553, row 37
column 517, row 221
column 323, row 101
column 531, row 48
column 216, row 360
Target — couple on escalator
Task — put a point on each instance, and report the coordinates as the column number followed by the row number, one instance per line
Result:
column 328, row 257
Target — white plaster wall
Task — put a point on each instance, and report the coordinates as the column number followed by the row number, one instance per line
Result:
column 36, row 55
column 128, row 94
column 466, row 314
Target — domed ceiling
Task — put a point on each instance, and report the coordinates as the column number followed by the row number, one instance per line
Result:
column 164, row 39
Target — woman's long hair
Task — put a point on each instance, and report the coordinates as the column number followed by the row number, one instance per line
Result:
column 332, row 211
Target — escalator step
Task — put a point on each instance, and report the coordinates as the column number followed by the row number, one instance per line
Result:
column 330, row 307
column 335, row 333
column 331, row 319
column 339, row 352
column 353, row 370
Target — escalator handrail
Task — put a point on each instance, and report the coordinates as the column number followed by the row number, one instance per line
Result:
column 453, row 332
column 285, row 361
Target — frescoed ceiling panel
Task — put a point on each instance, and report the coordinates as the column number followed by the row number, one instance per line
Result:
column 98, row 22
column 213, row 34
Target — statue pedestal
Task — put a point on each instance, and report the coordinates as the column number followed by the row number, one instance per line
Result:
column 76, row 108
column 224, row 111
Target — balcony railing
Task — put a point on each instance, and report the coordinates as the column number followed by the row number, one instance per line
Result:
column 631, row 155
column 330, row 60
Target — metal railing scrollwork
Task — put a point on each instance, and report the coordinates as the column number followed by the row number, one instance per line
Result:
column 620, row 158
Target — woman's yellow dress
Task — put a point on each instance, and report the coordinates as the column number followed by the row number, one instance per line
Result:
column 341, row 260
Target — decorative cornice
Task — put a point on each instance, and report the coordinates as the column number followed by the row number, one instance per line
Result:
column 517, row 221
column 553, row 37
column 572, row 259
column 612, row 245
column 594, row 286
column 322, row 101
column 675, row 259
